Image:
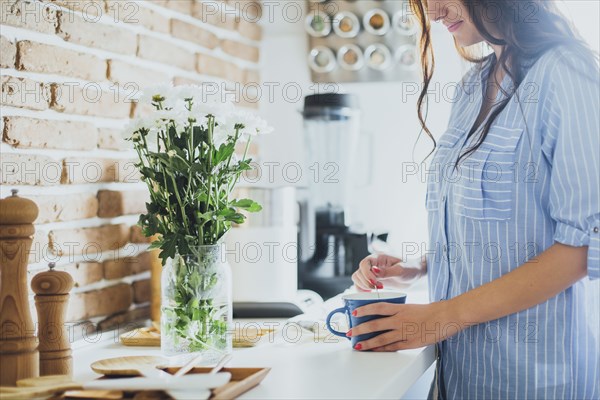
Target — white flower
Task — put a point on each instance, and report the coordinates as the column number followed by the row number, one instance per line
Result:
column 253, row 124
column 132, row 127
column 171, row 153
column 164, row 90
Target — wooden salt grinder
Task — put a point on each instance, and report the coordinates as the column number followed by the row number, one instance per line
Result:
column 18, row 345
column 51, row 297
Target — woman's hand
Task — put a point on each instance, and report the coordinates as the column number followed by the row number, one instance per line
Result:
column 410, row 325
column 374, row 270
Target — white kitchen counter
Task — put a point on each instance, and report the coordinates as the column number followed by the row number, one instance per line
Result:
column 302, row 367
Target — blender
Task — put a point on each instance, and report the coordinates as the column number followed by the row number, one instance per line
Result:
column 329, row 250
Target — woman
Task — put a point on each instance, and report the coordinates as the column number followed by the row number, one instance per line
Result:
column 514, row 213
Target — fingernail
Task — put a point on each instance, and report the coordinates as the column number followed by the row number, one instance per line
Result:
column 372, row 282
column 349, row 333
column 376, row 270
column 358, row 346
column 379, row 285
column 354, row 313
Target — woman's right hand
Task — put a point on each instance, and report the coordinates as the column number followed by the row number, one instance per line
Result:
column 374, row 270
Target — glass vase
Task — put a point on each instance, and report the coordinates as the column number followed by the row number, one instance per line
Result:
column 196, row 311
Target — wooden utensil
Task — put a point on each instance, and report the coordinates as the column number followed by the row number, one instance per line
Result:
column 18, row 346
column 132, row 366
column 52, row 295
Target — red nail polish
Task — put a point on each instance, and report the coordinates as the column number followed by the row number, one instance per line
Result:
column 376, row 270
column 349, row 333
column 372, row 282
column 379, row 285
column 354, row 313
column 358, row 346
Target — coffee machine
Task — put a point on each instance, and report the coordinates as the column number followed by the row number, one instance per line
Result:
column 329, row 247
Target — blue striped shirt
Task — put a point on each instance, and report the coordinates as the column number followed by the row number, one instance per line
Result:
column 534, row 181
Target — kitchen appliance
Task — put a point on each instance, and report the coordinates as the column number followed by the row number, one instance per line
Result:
column 262, row 253
column 329, row 248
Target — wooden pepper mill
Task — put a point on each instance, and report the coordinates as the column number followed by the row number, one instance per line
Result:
column 18, row 344
column 51, row 297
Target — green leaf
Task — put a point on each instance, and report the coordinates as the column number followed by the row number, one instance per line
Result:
column 247, row 204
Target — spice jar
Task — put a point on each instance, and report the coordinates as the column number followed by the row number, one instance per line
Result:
column 406, row 56
column 350, row 57
column 321, row 59
column 378, row 57
column 318, row 24
column 346, row 24
column 376, row 22
column 404, row 23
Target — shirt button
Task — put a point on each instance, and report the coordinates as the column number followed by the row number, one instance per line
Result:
column 596, row 229
column 445, row 249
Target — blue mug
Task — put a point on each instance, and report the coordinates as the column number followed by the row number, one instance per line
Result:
column 355, row 300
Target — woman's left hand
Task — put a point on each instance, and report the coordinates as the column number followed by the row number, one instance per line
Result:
column 410, row 325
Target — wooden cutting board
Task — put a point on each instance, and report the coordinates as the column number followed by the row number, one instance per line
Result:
column 150, row 336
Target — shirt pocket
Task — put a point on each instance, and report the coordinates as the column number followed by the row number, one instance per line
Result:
column 487, row 183
column 441, row 164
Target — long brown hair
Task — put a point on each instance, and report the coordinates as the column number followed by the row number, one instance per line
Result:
column 522, row 40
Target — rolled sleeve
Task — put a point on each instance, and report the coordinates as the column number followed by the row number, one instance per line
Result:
column 573, row 148
column 572, row 236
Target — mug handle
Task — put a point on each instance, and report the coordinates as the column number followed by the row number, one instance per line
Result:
column 328, row 321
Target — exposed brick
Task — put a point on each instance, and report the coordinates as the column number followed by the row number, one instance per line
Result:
column 65, row 207
column 38, row 57
column 132, row 13
column 192, row 33
column 47, row 134
column 144, row 262
column 213, row 13
column 76, row 29
column 87, row 241
column 29, row 169
column 180, row 80
column 126, row 266
column 119, row 268
column 39, row 247
column 88, row 8
column 29, row 15
column 137, row 236
column 182, row 6
column 107, row 301
column 123, row 73
column 94, row 170
column 24, row 93
column 8, row 53
column 214, row 66
column 88, row 100
column 141, row 291
column 112, row 139
column 240, row 50
column 250, row 29
column 84, row 273
column 142, row 110
column 165, row 52
column 113, row 204
column 126, row 320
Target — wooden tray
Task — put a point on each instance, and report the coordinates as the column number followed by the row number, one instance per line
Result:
column 242, row 380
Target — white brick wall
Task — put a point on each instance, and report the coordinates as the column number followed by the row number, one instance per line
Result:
column 69, row 70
